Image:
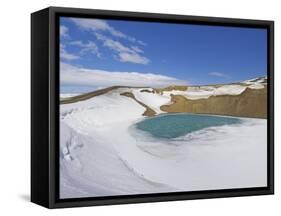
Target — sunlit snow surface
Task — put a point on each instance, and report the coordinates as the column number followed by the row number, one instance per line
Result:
column 102, row 153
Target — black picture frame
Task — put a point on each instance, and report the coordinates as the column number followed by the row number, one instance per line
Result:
column 45, row 107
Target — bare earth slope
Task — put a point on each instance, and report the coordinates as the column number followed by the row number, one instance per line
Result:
column 250, row 103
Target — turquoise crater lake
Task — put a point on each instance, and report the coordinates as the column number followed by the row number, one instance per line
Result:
column 176, row 125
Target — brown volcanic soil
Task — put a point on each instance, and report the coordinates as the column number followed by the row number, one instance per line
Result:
column 148, row 111
column 251, row 103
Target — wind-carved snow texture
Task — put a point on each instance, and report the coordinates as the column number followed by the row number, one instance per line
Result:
column 103, row 154
column 71, row 147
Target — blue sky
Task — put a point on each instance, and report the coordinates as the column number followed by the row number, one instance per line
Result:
column 99, row 53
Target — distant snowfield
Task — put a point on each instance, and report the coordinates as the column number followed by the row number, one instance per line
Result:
column 101, row 154
column 64, row 96
column 205, row 92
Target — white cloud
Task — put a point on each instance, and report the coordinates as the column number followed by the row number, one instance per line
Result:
column 72, row 75
column 98, row 25
column 125, row 54
column 132, row 57
column 90, row 46
column 66, row 55
column 137, row 49
column 116, row 46
column 63, row 31
column 141, row 43
column 218, row 74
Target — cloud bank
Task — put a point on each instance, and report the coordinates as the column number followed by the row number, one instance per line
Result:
column 75, row 76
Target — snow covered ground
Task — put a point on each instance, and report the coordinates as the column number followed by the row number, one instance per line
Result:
column 258, row 80
column 204, row 92
column 154, row 101
column 102, row 154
